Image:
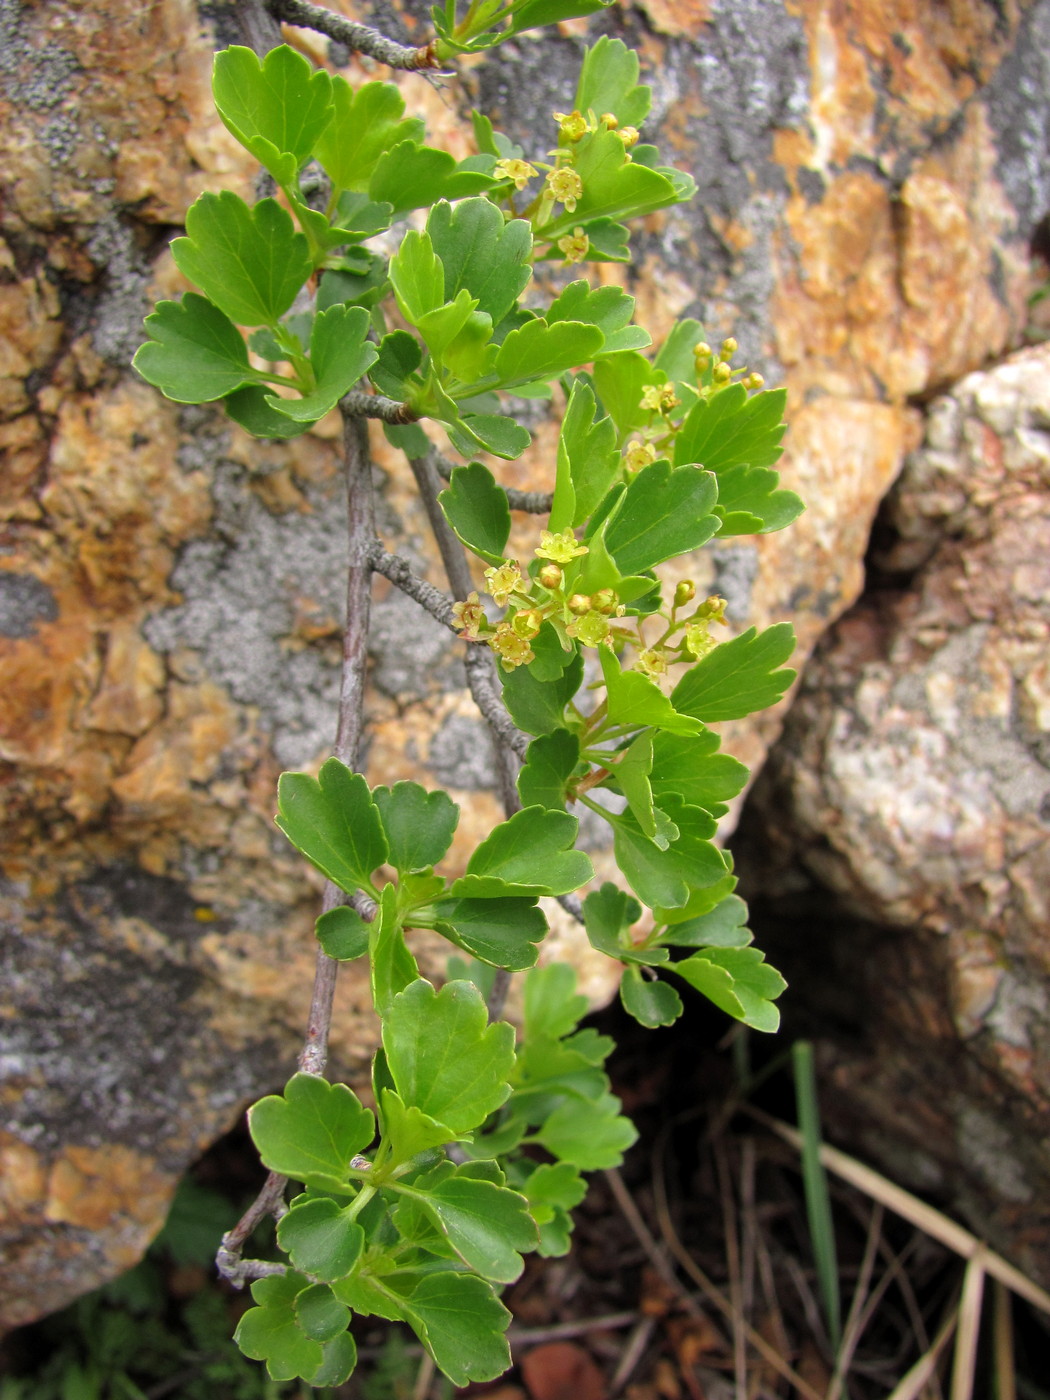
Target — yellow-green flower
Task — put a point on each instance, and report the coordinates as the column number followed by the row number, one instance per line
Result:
column 713, row 609
column 511, row 649
column 566, row 187
column 575, row 246
column 527, row 623
column 639, row 454
column 697, row 641
column 560, row 546
column 518, row 172
column 660, row 398
column 469, row 617
column 652, row 663
column 571, row 125
column 504, row 581
column 592, row 630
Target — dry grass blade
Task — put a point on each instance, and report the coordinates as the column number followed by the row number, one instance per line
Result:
column 1003, row 1343
column 913, row 1384
column 968, row 1329
column 736, row 1296
column 935, row 1224
column 855, row 1320
column 714, row 1294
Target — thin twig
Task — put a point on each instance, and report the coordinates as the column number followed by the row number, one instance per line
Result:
column 559, row 1331
column 399, row 571
column 361, row 529
column 632, row 1354
column 357, row 404
column 359, row 38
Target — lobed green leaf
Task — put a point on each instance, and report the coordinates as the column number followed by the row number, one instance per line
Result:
column 333, row 821
column 311, row 1131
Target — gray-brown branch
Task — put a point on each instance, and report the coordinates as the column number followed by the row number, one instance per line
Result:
column 359, row 38
column 361, row 528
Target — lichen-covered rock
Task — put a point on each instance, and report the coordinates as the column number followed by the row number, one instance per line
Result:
column 171, row 592
column 914, row 784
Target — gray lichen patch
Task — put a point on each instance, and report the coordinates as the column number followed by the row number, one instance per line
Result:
column 25, row 602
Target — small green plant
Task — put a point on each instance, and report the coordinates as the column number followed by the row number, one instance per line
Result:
column 422, row 1211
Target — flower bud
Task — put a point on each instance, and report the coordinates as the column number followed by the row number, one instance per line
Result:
column 610, row 120
column 729, row 348
column 721, row 374
column 605, row 601
column 684, row 592
column 754, row 381
column 550, row 576
column 579, row 604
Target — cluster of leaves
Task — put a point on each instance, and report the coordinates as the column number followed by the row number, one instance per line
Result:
column 406, row 1233
column 423, row 1210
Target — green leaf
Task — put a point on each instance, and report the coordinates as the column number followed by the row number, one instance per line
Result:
column 251, row 408
column 553, row 1190
column 699, row 902
column 675, row 358
column 408, row 1130
column 482, row 254
column 589, row 1133
column 392, row 966
column 312, row 1131
column 444, row 1058
column 196, row 354
column 615, row 187
column 500, row 932
column 321, row 1240
column 609, row 83
column 689, row 765
column 663, row 878
column 250, row 262
column 749, row 502
column 342, row 933
column 621, row 380
column 417, row 277
column 367, row 123
column 271, row 1333
column 663, row 513
column 538, row 706
column 339, row 356
column 529, row 854
column 488, row 432
column 444, row 328
column 410, row 176
column 552, row 1005
column 477, row 509
column 486, row 1225
column 739, row 981
column 588, row 461
column 631, row 775
column 400, row 355
column 549, row 764
column 733, row 429
column 419, row 825
column 340, row 1358
column 538, row 14
column 725, row 926
column 608, row 913
column 738, row 677
column 651, row 1003
column 461, row 1322
column 636, row 700
column 333, row 821
column 538, row 351
column 320, row 1314
column 608, row 308
column 276, row 107
column 609, row 241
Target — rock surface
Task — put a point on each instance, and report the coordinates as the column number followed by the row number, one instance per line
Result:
column 170, row 591
column 903, row 824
